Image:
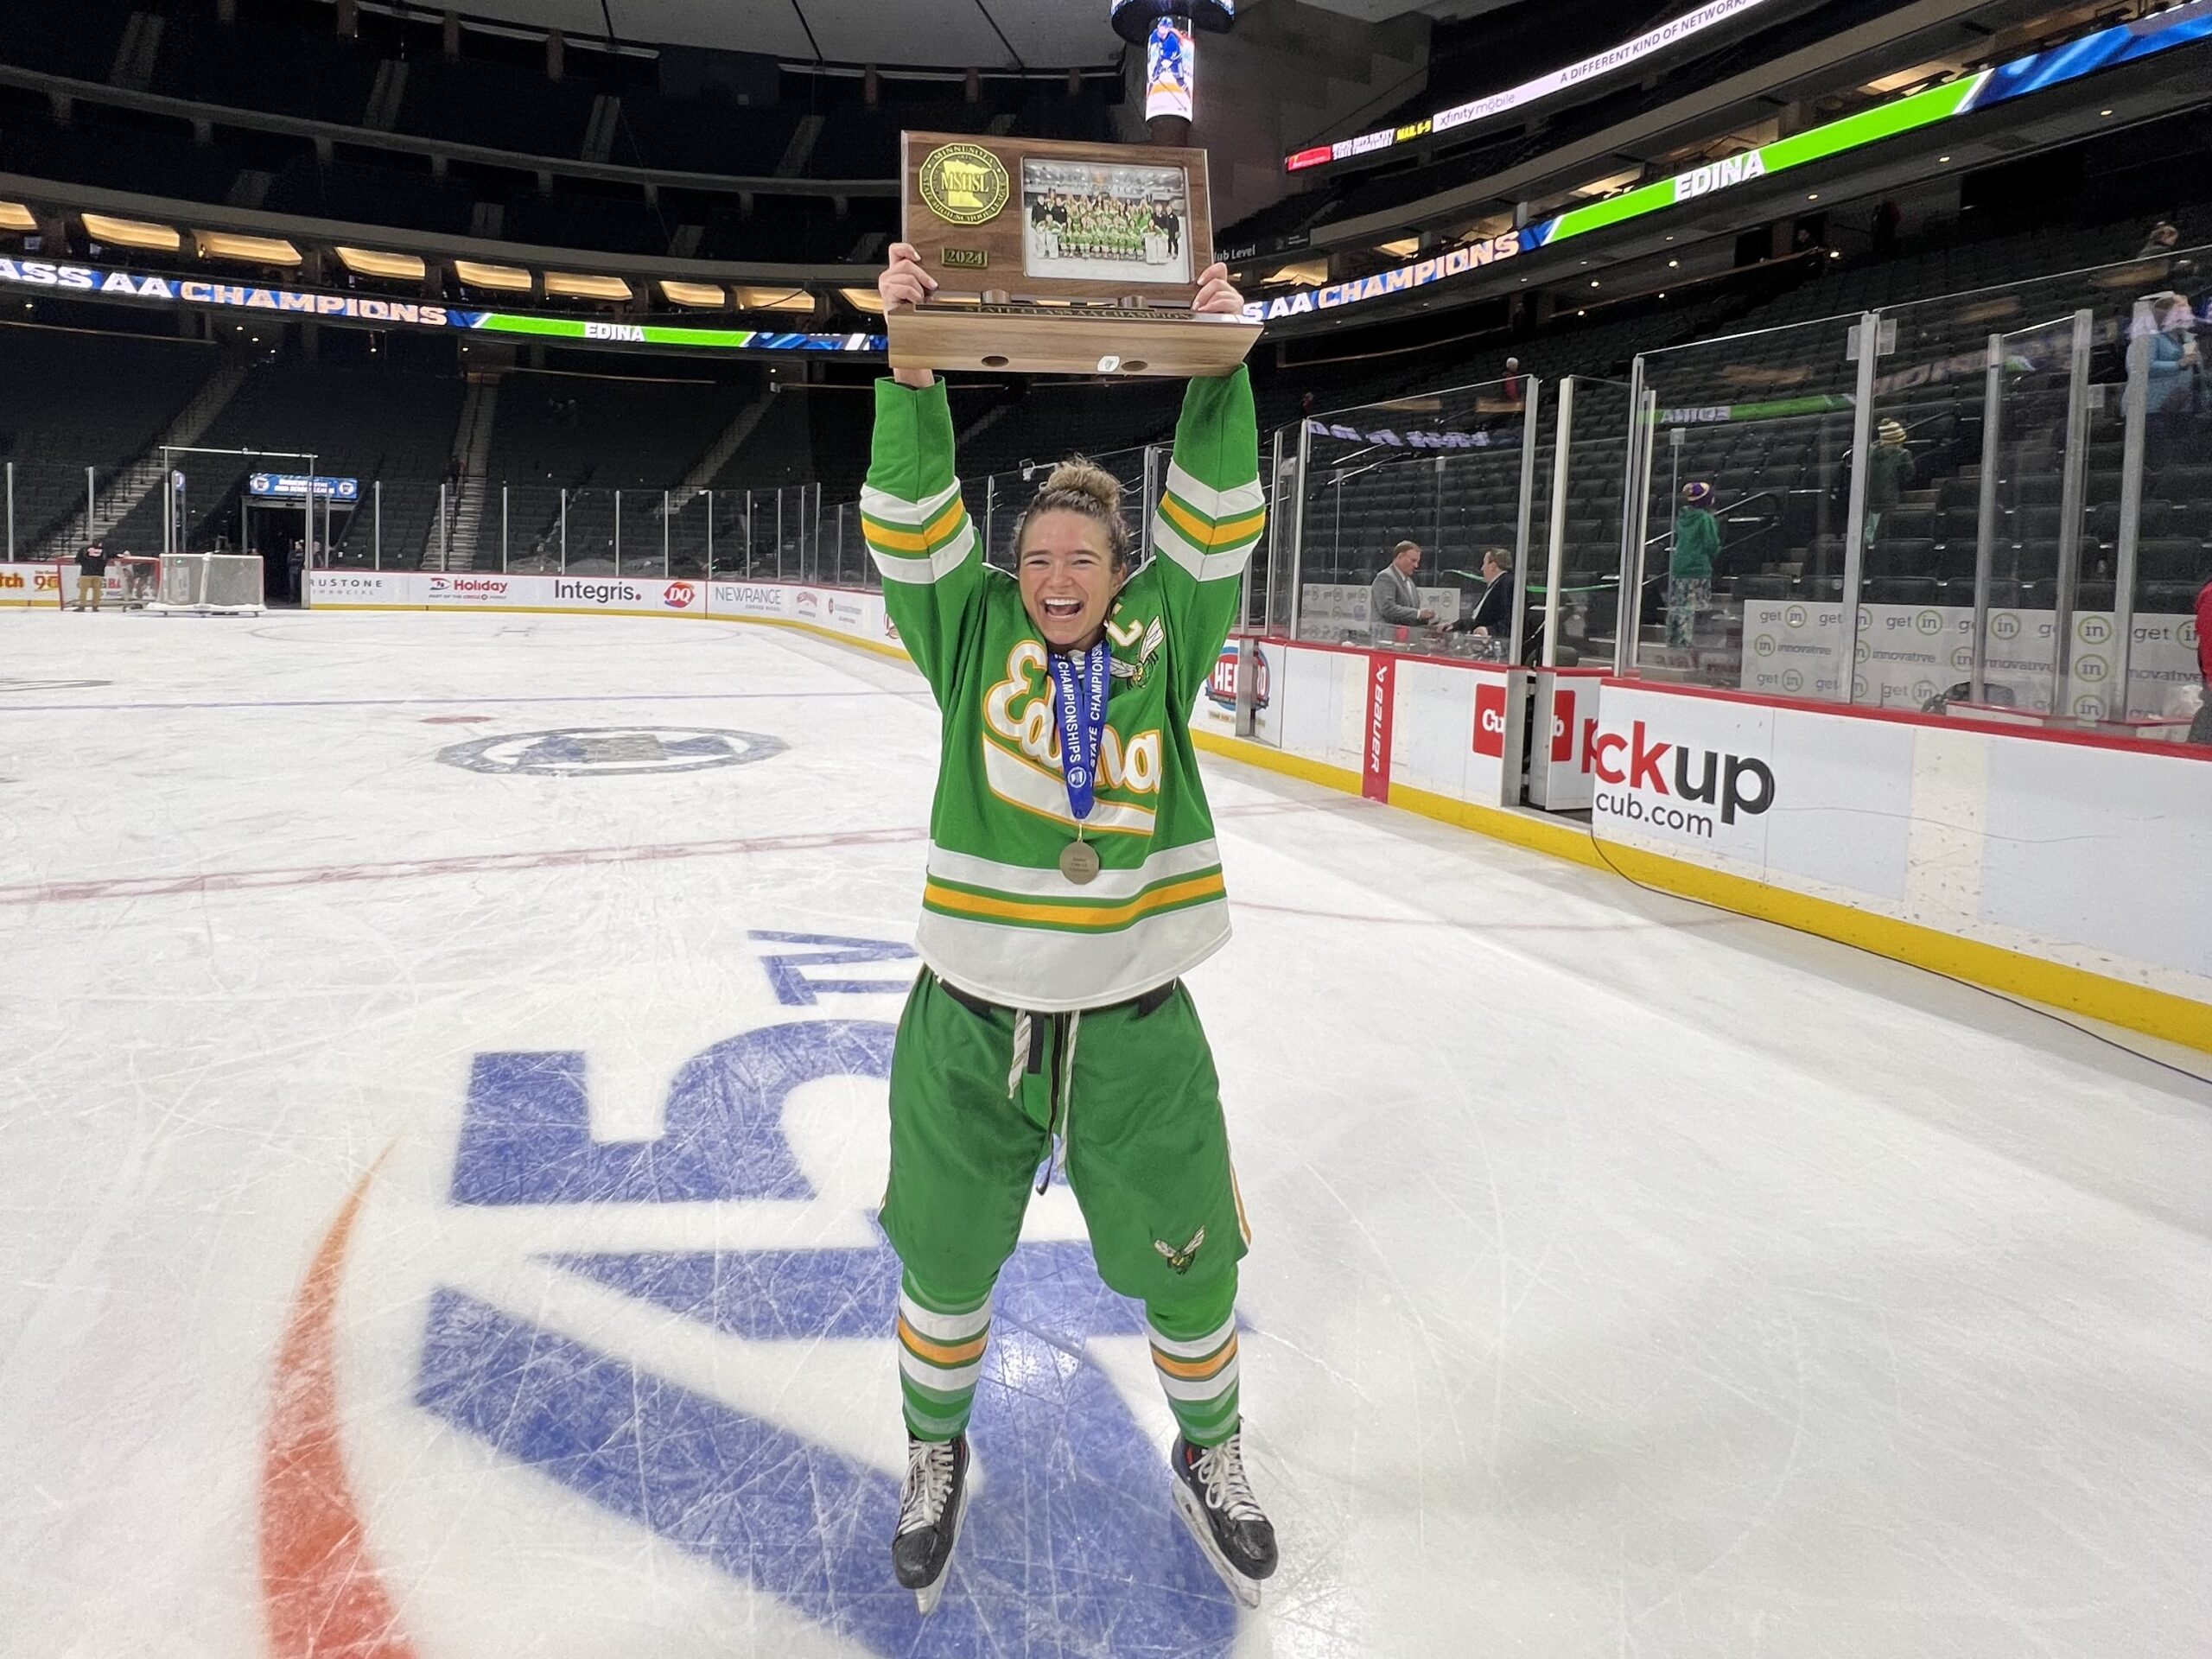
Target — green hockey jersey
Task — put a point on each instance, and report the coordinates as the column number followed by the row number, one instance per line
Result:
column 999, row 920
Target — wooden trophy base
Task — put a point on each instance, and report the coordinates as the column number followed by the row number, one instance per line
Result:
column 1050, row 339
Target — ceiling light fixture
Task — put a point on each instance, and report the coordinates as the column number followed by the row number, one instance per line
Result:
column 131, row 234
column 374, row 262
column 578, row 285
column 507, row 278
column 248, row 249
column 705, row 295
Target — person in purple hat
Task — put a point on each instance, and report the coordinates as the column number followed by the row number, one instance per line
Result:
column 1689, row 565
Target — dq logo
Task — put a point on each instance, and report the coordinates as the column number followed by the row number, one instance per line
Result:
column 678, row 595
column 1071, row 1545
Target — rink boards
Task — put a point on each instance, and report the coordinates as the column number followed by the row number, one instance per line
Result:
column 2047, row 863
column 2041, row 862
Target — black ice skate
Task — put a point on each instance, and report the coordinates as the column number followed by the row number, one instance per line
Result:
column 930, row 1513
column 1216, row 1503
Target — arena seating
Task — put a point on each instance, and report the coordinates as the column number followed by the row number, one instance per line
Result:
column 71, row 399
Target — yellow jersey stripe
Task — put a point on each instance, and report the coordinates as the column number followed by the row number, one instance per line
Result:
column 976, row 904
column 894, row 540
column 1203, row 531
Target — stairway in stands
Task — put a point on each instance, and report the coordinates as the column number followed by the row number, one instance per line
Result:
column 465, row 513
column 134, row 483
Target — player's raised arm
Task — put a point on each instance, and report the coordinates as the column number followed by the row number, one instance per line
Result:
column 1213, row 509
column 904, row 285
column 915, row 523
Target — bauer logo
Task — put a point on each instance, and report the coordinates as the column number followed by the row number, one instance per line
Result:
column 607, row 751
column 1071, row 1544
column 1375, row 779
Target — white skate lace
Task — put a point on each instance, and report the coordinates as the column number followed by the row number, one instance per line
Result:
column 929, row 1484
column 1222, row 1468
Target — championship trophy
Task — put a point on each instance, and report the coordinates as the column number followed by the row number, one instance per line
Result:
column 1060, row 258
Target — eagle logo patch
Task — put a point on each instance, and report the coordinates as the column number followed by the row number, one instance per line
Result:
column 1181, row 1260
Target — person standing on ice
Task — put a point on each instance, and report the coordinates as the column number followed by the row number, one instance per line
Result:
column 1073, row 878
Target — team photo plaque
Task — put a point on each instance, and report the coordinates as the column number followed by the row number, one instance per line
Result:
column 1060, row 258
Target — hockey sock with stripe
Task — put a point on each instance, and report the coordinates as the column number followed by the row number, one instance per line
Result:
column 941, row 1343
column 1194, row 1354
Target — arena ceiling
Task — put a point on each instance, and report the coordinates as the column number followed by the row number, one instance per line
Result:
column 955, row 33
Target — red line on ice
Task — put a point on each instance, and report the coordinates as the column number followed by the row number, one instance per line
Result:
column 164, row 886
column 320, row 1585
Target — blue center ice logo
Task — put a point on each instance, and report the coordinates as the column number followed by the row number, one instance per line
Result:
column 1072, row 1547
column 600, row 750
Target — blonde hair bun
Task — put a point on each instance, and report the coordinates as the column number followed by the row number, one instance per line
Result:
column 1079, row 476
column 1081, row 486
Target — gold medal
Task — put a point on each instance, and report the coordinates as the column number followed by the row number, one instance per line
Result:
column 1079, row 862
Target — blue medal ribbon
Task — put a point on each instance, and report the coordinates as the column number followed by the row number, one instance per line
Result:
column 1079, row 706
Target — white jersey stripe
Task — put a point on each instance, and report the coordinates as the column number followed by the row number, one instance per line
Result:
column 896, row 510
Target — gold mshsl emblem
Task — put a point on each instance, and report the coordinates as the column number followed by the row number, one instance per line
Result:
column 965, row 184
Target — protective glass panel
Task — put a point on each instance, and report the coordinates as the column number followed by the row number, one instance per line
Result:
column 2173, row 546
column 590, row 532
column 2025, row 531
column 1747, row 498
column 1440, row 471
column 1587, row 521
column 689, row 532
column 1915, row 618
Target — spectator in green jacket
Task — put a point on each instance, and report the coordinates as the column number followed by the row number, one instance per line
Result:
column 1889, row 475
column 1689, row 565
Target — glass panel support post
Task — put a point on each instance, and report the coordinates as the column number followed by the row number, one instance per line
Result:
column 2072, row 487
column 1636, row 467
column 2135, row 408
column 1869, row 333
column 1298, row 524
column 1555, row 549
column 1531, row 418
column 1984, row 550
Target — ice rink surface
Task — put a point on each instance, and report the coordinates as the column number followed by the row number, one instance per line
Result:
column 439, row 1206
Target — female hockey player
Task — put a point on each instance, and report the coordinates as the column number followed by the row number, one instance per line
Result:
column 1072, row 879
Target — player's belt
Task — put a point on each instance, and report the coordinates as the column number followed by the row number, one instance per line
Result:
column 1148, row 1003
